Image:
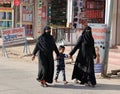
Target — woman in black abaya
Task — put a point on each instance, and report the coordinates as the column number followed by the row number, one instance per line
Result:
column 45, row 47
column 84, row 64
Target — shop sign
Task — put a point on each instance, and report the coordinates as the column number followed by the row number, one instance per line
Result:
column 13, row 36
column 16, row 2
column 44, row 12
column 5, row 1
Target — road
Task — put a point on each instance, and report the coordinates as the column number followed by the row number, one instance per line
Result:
column 18, row 76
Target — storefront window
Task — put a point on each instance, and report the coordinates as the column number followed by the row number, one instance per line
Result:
column 91, row 10
column 27, row 13
column 57, row 12
column 5, row 15
column 27, row 16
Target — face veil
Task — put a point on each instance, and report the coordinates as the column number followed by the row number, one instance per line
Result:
column 87, row 36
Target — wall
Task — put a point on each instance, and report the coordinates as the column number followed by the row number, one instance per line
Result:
column 118, row 24
column 115, row 32
column 114, row 23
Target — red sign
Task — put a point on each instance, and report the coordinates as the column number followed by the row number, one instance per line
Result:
column 44, row 12
column 16, row 2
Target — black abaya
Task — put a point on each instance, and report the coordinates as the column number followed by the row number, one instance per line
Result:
column 45, row 47
column 84, row 64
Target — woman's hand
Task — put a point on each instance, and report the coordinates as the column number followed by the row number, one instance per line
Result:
column 33, row 57
column 69, row 56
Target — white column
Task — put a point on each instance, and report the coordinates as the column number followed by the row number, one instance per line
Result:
column 114, row 25
column 69, row 11
column 107, row 10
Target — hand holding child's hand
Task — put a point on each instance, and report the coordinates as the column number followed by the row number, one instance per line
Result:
column 69, row 56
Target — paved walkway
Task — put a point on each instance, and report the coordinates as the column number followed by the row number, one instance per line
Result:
column 19, row 77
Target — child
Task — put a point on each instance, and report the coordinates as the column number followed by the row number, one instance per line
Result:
column 61, row 64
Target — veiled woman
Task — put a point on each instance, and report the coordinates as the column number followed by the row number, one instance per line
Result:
column 45, row 47
column 84, row 64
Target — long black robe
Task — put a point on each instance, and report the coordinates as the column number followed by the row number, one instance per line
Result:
column 84, row 64
column 45, row 47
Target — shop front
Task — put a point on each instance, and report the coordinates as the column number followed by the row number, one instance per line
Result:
column 91, row 10
column 57, row 12
column 24, row 15
column 6, row 14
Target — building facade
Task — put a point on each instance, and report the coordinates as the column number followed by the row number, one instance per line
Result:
column 35, row 14
column 115, row 31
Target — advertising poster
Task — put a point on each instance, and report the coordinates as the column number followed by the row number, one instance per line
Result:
column 13, row 36
column 99, row 34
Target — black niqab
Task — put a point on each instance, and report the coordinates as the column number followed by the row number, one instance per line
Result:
column 87, row 36
column 46, row 42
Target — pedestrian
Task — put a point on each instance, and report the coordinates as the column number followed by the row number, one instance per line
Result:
column 45, row 47
column 61, row 64
column 84, row 64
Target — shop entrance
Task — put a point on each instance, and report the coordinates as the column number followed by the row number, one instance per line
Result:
column 24, row 16
column 57, row 12
column 91, row 10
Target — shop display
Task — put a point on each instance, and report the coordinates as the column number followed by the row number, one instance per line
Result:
column 28, row 30
column 27, row 16
column 57, row 12
column 5, row 18
column 91, row 10
column 27, row 13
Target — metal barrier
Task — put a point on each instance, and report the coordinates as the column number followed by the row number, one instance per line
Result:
column 65, row 36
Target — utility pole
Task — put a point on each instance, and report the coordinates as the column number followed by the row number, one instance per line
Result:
column 105, row 64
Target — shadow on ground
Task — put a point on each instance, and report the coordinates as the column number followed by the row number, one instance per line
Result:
column 77, row 86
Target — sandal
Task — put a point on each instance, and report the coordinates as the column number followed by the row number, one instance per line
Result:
column 45, row 85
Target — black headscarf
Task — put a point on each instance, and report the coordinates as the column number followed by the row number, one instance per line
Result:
column 87, row 36
column 46, row 41
column 47, row 28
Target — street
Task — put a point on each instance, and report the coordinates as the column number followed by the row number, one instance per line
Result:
column 18, row 76
column 24, row 20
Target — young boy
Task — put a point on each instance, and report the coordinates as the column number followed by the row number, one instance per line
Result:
column 61, row 64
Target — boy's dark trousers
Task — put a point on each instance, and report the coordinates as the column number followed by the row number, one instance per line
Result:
column 60, row 68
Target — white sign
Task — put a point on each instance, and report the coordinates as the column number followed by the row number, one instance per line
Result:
column 13, row 36
column 99, row 35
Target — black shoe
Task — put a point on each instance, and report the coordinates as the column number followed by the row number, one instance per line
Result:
column 82, row 83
